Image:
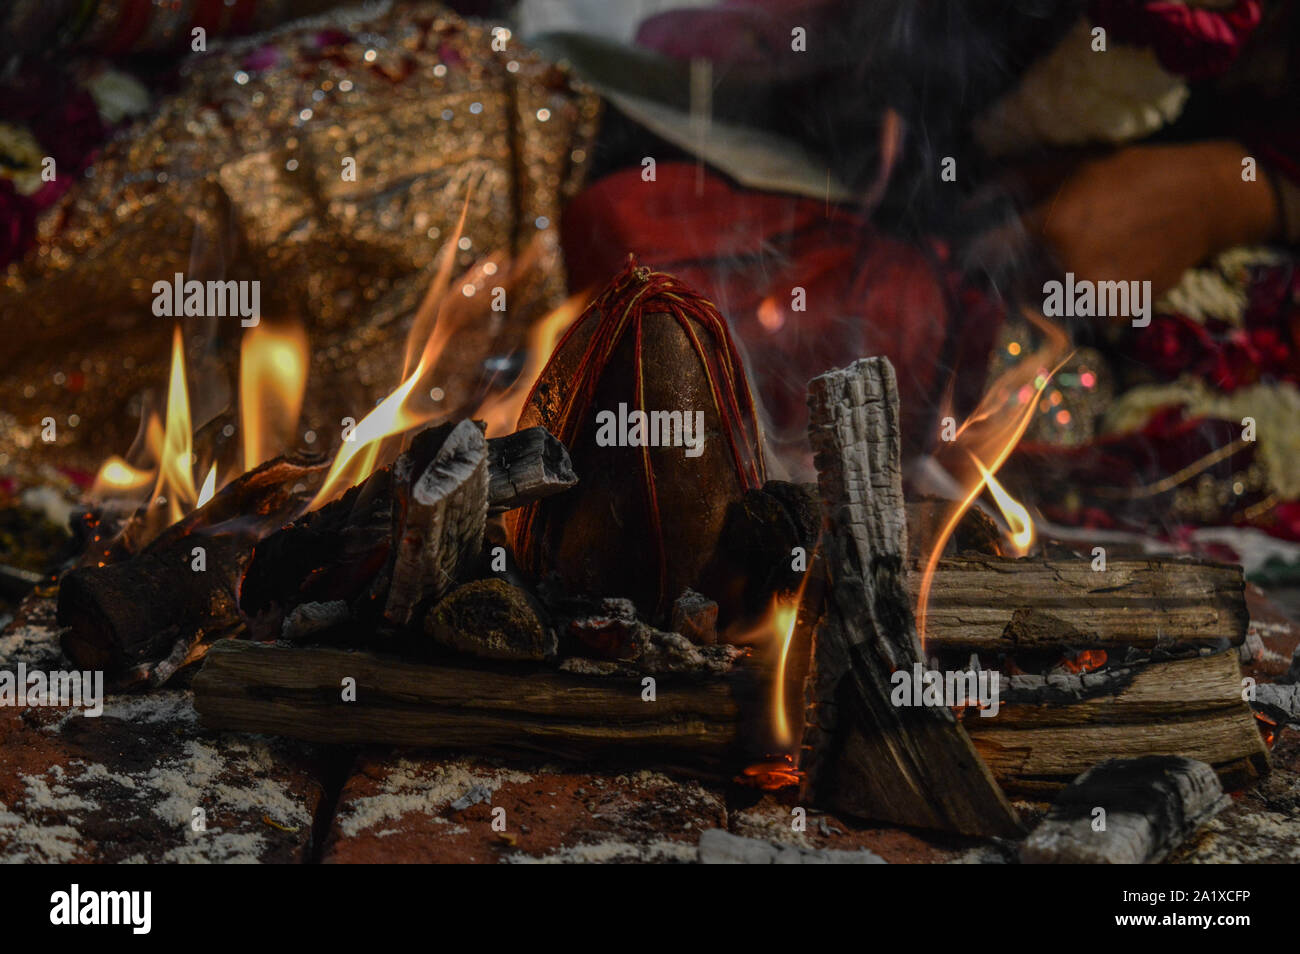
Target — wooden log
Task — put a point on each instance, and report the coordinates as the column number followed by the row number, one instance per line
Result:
column 441, row 510
column 1003, row 605
column 862, row 754
column 145, row 616
column 295, row 692
column 1150, row 806
column 525, row 466
column 147, row 613
column 1187, row 707
column 345, row 549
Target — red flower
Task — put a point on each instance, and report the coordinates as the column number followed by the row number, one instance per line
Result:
column 1190, row 41
column 1284, row 520
column 1172, row 345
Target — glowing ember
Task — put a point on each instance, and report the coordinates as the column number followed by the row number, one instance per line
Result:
column 1267, row 728
column 771, row 775
column 1013, row 511
column 1089, row 660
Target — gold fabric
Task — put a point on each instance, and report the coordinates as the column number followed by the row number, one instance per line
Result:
column 240, row 176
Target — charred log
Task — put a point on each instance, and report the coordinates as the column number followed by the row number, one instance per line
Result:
column 862, row 754
column 252, row 687
column 1147, row 807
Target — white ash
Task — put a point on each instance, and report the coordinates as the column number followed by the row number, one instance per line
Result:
column 420, row 787
column 31, row 642
column 1278, row 701
column 23, row 841
column 308, row 619
column 611, row 851
column 720, row 847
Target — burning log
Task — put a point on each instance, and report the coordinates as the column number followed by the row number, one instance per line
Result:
column 438, row 518
column 403, row 536
column 525, row 466
column 862, row 754
column 142, row 619
column 1190, row 707
column 294, row 692
column 1149, row 806
column 1002, row 605
column 145, row 617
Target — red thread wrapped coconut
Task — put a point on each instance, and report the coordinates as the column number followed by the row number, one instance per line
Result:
column 643, row 520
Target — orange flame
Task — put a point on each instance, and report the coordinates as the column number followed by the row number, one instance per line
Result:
column 440, row 316
column 501, row 411
column 1014, row 512
column 117, row 476
column 176, row 463
column 992, row 432
column 775, row 631
column 209, row 488
column 272, row 381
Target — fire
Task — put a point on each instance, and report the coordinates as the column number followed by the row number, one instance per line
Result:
column 1013, row 511
column 501, row 412
column 435, row 321
column 115, row 474
column 209, row 488
column 272, row 381
column 991, row 433
column 1089, row 660
column 775, row 632
column 784, row 615
column 176, row 464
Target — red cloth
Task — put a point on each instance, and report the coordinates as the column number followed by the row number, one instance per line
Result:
column 1195, row 42
column 865, row 293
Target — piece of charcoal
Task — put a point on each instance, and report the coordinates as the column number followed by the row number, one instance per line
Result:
column 695, row 616
column 491, row 619
column 1126, row 811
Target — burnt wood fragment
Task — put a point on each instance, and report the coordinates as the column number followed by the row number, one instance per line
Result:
column 862, row 754
column 1126, row 811
column 508, row 709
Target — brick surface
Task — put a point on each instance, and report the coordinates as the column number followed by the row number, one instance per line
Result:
column 123, row 786
column 416, row 808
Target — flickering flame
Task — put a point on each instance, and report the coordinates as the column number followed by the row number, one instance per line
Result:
column 991, row 433
column 774, row 633
column 437, row 320
column 1014, row 512
column 272, row 381
column 784, row 615
column 176, row 463
column 359, row 454
column 115, row 474
column 209, row 487
column 501, row 411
